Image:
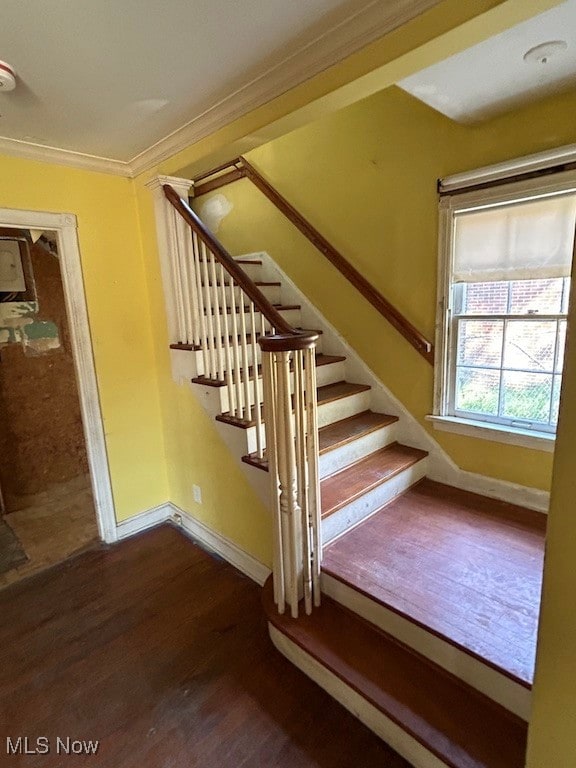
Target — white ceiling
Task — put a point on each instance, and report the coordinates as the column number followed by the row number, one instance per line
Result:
column 492, row 77
column 112, row 77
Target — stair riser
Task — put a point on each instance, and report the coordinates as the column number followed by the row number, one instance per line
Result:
column 338, row 458
column 271, row 292
column 326, row 374
column 500, row 688
column 353, row 513
column 382, row 726
column 292, row 316
column 336, row 410
column 254, row 271
column 194, row 365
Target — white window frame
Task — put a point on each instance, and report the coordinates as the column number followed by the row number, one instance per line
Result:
column 449, row 206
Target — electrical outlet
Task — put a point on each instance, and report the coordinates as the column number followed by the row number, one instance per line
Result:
column 197, row 493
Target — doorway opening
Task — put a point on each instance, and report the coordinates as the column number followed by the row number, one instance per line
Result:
column 55, row 496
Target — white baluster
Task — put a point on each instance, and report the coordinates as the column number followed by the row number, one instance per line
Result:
column 201, row 307
column 215, row 300
column 211, row 373
column 245, row 361
column 229, row 373
column 176, row 282
column 236, row 351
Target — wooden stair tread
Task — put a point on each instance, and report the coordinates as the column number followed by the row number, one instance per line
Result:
column 246, row 308
column 259, row 283
column 466, row 568
column 326, row 394
column 331, row 392
column 321, row 360
column 344, row 431
column 459, row 725
column 363, row 475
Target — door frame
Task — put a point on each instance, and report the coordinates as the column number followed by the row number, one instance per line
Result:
column 65, row 225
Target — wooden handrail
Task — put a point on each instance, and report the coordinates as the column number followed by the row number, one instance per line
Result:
column 242, row 168
column 236, row 272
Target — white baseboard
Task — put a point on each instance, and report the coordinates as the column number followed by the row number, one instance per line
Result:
column 143, row 521
column 220, row 545
column 199, row 532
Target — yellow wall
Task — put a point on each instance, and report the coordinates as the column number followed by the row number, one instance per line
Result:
column 366, row 178
column 118, row 315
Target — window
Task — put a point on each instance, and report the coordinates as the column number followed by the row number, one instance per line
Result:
column 506, row 256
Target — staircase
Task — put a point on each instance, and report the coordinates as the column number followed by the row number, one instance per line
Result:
column 430, row 594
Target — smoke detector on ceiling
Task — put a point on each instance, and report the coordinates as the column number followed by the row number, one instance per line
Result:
column 7, row 77
column 541, row 54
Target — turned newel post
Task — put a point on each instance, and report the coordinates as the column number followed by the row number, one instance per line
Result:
column 288, row 365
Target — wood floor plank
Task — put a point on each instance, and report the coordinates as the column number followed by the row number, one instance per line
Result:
column 160, row 651
column 467, row 568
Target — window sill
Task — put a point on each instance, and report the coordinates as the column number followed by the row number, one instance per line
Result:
column 527, row 438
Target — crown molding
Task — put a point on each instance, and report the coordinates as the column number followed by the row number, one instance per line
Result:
column 308, row 60
column 332, row 46
column 44, row 154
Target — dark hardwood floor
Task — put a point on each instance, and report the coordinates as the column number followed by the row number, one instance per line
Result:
column 160, row 652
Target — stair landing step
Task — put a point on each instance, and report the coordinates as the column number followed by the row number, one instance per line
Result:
column 344, row 431
column 459, row 726
column 464, row 567
column 320, row 360
column 358, row 478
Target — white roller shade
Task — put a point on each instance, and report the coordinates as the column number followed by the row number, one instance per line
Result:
column 516, row 241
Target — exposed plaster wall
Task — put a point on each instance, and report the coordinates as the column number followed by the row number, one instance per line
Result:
column 41, row 436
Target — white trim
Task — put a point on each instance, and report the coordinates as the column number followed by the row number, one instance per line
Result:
column 367, row 713
column 444, row 416
column 334, row 44
column 474, row 672
column 143, row 521
column 65, row 226
column 200, row 533
column 44, row 154
column 498, row 433
column 527, row 164
column 221, row 545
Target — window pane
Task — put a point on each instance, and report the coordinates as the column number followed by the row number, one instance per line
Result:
column 555, row 399
column 542, row 297
column 477, row 390
column 561, row 345
column 486, row 298
column 530, row 345
column 480, row 342
column 526, row 396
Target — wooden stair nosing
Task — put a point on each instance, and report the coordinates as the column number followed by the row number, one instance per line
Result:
column 352, row 428
column 246, row 309
column 459, row 725
column 368, row 422
column 346, row 485
column 327, row 394
column 321, row 360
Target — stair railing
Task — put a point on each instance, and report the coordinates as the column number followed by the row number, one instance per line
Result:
column 240, row 169
column 220, row 312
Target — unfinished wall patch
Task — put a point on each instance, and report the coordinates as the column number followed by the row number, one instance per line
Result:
column 212, row 211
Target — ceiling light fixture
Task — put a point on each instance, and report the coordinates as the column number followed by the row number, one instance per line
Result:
column 542, row 53
column 7, row 77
